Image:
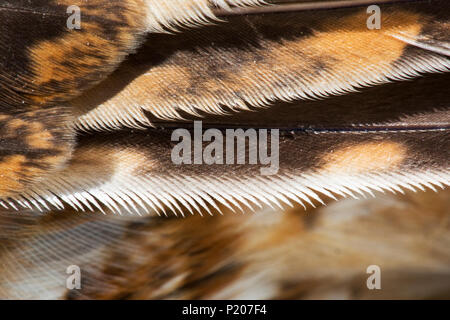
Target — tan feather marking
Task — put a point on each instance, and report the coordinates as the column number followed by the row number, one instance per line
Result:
column 11, row 168
column 32, row 148
column 39, row 138
column 76, row 60
column 352, row 43
column 254, row 61
column 372, row 156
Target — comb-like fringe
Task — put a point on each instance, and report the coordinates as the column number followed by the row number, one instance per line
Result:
column 172, row 15
column 116, row 114
column 138, row 194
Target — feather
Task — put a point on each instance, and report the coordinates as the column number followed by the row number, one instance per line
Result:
column 136, row 172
